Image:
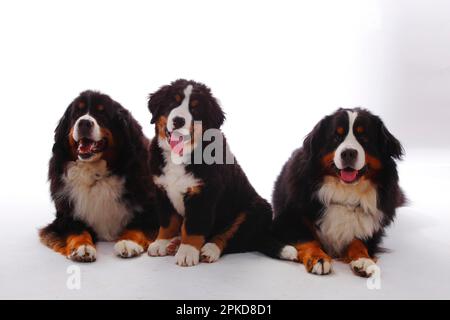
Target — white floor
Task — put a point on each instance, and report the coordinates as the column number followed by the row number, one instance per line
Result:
column 417, row 266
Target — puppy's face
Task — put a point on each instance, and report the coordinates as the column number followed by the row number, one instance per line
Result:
column 354, row 144
column 182, row 111
column 90, row 118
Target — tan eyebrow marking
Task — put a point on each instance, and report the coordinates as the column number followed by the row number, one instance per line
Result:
column 359, row 129
column 194, row 103
column 178, row 98
column 340, row 130
column 81, row 105
column 100, row 107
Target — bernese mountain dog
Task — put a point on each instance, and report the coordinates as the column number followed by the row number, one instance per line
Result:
column 100, row 181
column 206, row 208
column 337, row 193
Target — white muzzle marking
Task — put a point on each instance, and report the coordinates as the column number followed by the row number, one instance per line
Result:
column 350, row 142
column 95, row 132
column 182, row 111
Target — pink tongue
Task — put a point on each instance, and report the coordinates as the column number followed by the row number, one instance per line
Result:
column 348, row 176
column 85, row 146
column 176, row 144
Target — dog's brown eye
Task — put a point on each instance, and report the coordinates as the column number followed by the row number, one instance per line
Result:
column 81, row 105
column 194, row 103
column 177, row 98
column 340, row 131
column 100, row 107
column 359, row 129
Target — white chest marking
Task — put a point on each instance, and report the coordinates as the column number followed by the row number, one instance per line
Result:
column 96, row 196
column 176, row 181
column 350, row 212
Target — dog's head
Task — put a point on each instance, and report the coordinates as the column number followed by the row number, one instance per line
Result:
column 182, row 111
column 351, row 144
column 96, row 127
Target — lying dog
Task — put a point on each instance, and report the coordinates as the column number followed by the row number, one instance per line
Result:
column 210, row 203
column 100, row 181
column 336, row 195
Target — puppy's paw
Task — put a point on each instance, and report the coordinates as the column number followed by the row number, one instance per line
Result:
column 83, row 253
column 127, row 249
column 158, row 248
column 187, row 255
column 318, row 265
column 363, row 267
column 210, row 253
column 173, row 246
column 289, row 253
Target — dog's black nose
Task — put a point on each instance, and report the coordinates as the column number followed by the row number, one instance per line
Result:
column 348, row 156
column 178, row 122
column 84, row 126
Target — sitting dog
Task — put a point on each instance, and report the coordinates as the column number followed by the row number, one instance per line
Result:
column 100, row 181
column 208, row 206
column 336, row 195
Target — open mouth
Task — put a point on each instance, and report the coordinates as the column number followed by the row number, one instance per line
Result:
column 350, row 175
column 176, row 141
column 88, row 147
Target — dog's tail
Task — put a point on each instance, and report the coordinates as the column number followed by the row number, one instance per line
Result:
column 274, row 248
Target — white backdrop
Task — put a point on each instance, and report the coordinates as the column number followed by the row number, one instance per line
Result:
column 276, row 66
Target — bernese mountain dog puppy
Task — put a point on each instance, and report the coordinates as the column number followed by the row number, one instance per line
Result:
column 336, row 195
column 100, row 181
column 207, row 207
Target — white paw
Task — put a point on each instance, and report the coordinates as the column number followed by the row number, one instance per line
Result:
column 363, row 267
column 210, row 252
column 127, row 249
column 321, row 267
column 289, row 253
column 84, row 253
column 158, row 247
column 187, row 255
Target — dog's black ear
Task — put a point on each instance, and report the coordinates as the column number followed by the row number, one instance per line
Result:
column 314, row 139
column 156, row 101
column 389, row 143
column 130, row 130
column 61, row 142
column 214, row 114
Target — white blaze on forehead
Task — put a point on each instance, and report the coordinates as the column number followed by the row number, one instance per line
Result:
column 95, row 133
column 350, row 142
column 181, row 111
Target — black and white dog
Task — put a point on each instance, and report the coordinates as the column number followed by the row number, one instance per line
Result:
column 336, row 194
column 211, row 204
column 100, row 181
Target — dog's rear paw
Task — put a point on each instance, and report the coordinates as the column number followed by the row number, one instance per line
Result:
column 83, row 253
column 127, row 249
column 363, row 267
column 210, row 253
column 173, row 246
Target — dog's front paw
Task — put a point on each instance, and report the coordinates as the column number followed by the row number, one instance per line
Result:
column 318, row 265
column 363, row 267
column 127, row 249
column 187, row 255
column 210, row 253
column 158, row 248
column 83, row 253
